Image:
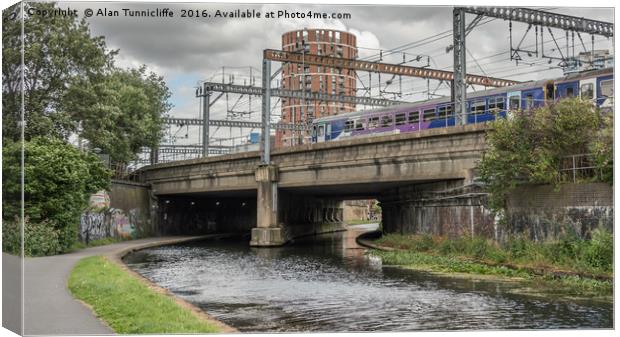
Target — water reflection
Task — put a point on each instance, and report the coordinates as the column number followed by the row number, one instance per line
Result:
column 326, row 283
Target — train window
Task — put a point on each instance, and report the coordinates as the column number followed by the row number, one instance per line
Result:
column 348, row 126
column 386, row 121
column 445, row 111
column 359, row 124
column 587, row 91
column 607, row 88
column 373, row 122
column 477, row 107
column 313, row 131
column 529, row 101
column 514, row 102
column 429, row 115
column 400, row 118
column 414, row 117
column 570, row 92
column 321, row 130
column 496, row 104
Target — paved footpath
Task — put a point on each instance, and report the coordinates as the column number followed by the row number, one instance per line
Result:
column 49, row 307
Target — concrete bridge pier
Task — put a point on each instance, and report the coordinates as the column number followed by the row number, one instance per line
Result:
column 267, row 232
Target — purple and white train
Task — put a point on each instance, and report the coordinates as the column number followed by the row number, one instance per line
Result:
column 482, row 106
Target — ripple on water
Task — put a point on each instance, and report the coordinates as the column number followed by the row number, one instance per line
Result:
column 323, row 285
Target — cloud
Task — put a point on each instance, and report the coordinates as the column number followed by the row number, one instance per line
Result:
column 187, row 50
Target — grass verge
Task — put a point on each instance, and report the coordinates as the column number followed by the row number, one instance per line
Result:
column 569, row 266
column 95, row 243
column 127, row 305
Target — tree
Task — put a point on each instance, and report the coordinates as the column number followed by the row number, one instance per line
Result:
column 58, row 50
column 59, row 179
column 603, row 149
column 121, row 113
column 528, row 148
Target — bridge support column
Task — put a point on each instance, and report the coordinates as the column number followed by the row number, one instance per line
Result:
column 267, row 232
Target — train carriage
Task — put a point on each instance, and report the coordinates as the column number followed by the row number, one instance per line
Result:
column 482, row 106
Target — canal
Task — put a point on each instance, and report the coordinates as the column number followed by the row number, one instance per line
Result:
column 327, row 283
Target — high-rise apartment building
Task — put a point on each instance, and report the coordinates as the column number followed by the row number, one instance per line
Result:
column 312, row 78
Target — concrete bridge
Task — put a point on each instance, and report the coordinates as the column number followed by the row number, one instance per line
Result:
column 300, row 191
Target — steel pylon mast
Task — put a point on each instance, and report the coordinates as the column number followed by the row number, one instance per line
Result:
column 518, row 14
column 459, row 86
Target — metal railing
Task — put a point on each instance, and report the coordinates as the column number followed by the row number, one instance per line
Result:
column 579, row 167
column 122, row 172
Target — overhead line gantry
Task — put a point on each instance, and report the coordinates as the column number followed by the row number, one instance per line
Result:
column 517, row 14
column 358, row 65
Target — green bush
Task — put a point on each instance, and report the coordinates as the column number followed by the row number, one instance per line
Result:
column 600, row 251
column 59, row 179
column 39, row 238
column 529, row 147
column 11, row 237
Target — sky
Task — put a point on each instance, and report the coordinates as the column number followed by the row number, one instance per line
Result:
column 187, row 50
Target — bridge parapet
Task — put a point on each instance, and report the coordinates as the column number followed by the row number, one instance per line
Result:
column 434, row 154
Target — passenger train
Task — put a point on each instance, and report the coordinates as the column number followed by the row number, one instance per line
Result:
column 482, row 106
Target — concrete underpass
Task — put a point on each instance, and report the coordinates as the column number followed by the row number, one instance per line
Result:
column 421, row 180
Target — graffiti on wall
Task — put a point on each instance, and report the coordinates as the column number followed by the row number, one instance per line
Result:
column 93, row 226
column 109, row 222
column 99, row 201
column 122, row 223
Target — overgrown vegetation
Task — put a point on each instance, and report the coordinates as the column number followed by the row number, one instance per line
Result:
column 584, row 266
column 127, row 305
column 96, row 243
column 528, row 147
column 570, row 253
column 40, row 238
column 60, row 179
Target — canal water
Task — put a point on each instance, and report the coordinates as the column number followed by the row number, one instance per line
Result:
column 327, row 283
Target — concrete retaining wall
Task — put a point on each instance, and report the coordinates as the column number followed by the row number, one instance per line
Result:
column 304, row 215
column 124, row 211
column 542, row 212
column 447, row 208
column 355, row 210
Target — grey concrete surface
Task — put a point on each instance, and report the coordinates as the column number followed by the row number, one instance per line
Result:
column 358, row 166
column 49, row 307
column 12, row 292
